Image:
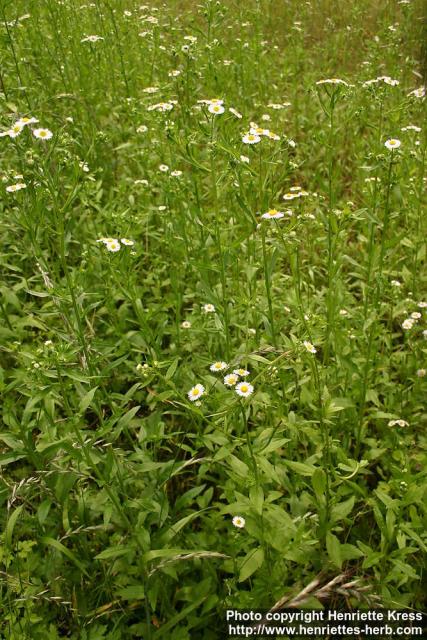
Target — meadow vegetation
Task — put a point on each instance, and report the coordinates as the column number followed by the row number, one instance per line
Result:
column 213, row 311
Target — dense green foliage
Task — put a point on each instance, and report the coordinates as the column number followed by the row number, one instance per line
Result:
column 118, row 490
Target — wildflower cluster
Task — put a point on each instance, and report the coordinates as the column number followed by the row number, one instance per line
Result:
column 18, row 127
column 114, row 245
column 231, row 380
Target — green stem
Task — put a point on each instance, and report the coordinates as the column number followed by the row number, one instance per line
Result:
column 268, row 287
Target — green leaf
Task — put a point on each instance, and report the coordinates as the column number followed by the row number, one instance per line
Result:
column 318, row 481
column 7, row 458
column 86, row 400
column 43, row 510
column 126, row 419
column 66, row 552
column 176, row 528
column 238, row 466
column 165, row 553
column 182, row 615
column 334, row 549
column 251, row 563
column 300, row 467
column 256, row 496
column 171, row 370
column 11, row 525
column 113, row 552
column 341, row 511
column 274, row 445
column 350, row 552
column 135, row 592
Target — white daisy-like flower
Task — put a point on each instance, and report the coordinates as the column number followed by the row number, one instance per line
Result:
column 127, row 242
column 421, row 373
column 112, row 245
column 241, row 372
column 239, row 522
column 425, row 334
column 400, row 423
column 231, row 379
column 422, row 305
column 196, row 392
column 259, row 131
column 272, row 214
column 208, row 308
column 396, row 283
column 235, row 113
column 218, row 366
column 27, row 120
column 92, row 39
column 392, row 143
column 251, row 138
column 290, row 196
column 174, row 73
column 15, row 130
column 390, row 81
column 244, row 159
column 12, row 188
column 386, row 79
column 343, row 312
column 244, row 389
column 176, row 173
column 310, row 347
column 411, row 127
column 416, row 315
column 161, row 106
column 216, row 109
column 407, row 324
column 333, row 81
column 42, row 134
column 163, row 168
column 142, row 128
column 150, row 89
column 418, row 93
column 185, row 324
column 278, row 105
